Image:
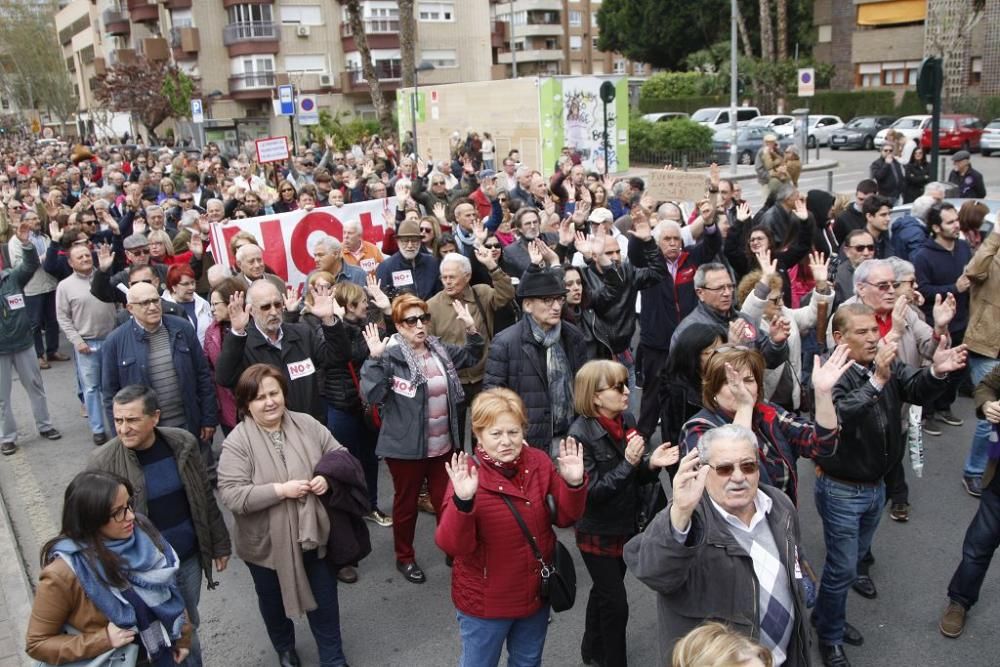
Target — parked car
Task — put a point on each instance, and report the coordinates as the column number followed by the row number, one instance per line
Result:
column 859, row 132
column 912, row 127
column 781, row 125
column 990, row 140
column 718, row 117
column 748, row 142
column 664, row 116
column 821, row 127
column 957, row 132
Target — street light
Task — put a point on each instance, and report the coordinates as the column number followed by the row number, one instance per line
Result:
column 424, row 66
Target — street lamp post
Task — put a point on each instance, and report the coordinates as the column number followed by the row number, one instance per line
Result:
column 424, row 66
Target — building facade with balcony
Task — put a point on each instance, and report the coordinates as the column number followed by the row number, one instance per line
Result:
column 239, row 51
column 550, row 37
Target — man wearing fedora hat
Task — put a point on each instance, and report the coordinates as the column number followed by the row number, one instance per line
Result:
column 539, row 357
column 410, row 269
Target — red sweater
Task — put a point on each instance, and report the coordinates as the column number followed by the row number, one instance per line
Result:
column 495, row 574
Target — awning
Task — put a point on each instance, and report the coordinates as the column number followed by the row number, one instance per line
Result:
column 894, row 12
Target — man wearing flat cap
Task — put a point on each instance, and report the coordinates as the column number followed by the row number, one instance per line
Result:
column 411, row 269
column 969, row 181
column 539, row 357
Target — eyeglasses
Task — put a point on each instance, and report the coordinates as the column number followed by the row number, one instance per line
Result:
column 139, row 251
column 147, row 303
column 121, row 513
column 412, row 320
column 408, row 241
column 883, row 286
column 776, row 300
column 216, row 304
column 727, row 469
column 620, row 387
column 148, row 281
column 265, row 307
column 549, row 301
column 185, row 200
column 721, row 288
column 187, row 283
column 864, row 247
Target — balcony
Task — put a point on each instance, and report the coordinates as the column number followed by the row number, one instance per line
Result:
column 252, row 86
column 185, row 42
column 390, row 74
column 381, row 33
column 155, row 49
column 498, row 36
column 178, row 4
column 143, row 11
column 100, row 67
column 121, row 57
column 531, row 55
column 116, row 23
column 251, row 37
column 226, row 4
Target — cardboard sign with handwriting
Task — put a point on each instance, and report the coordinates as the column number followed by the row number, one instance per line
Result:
column 664, row 185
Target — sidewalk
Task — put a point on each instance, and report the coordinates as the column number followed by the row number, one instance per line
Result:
column 15, row 597
column 743, row 172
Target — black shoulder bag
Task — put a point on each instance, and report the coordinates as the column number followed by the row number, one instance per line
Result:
column 558, row 577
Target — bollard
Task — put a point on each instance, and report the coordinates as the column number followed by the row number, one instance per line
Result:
column 829, row 180
column 684, row 162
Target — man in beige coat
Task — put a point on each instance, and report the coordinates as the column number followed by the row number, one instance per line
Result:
column 482, row 301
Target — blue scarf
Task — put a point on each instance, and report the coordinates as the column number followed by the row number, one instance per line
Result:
column 152, row 603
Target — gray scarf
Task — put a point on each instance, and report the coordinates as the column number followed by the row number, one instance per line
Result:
column 416, row 367
column 557, row 367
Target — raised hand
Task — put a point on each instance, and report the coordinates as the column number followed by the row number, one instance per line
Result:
column 585, row 196
column 742, row 395
column 641, row 229
column 884, row 357
column 825, row 376
column 479, row 231
column 738, row 330
column 139, row 226
column 56, row 234
column 376, row 344
column 583, row 246
column 463, row 475
column 239, row 312
column 768, row 266
column 689, row 485
column 22, row 232
column 485, row 257
column 402, row 189
column 570, row 190
column 292, row 299
column 944, row 311
column 743, row 212
column 635, row 447
column 326, row 307
column 570, row 461
column 196, row 245
column 567, row 231
column 664, row 455
column 105, row 257
column 713, row 175
column 550, row 207
column 780, row 328
column 819, row 265
column 374, row 287
column 948, row 359
column 440, row 212
column 801, row 212
column 535, row 253
column 464, row 316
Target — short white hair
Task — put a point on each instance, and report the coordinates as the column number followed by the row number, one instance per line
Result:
column 241, row 252
column 921, row 205
column 900, row 267
column 189, row 218
column 728, row 432
column 457, row 258
column 865, row 269
column 353, row 223
column 661, row 228
column 150, row 210
column 331, row 243
column 217, row 273
column 217, row 202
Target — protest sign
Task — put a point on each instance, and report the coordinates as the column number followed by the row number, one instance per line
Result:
column 664, row 185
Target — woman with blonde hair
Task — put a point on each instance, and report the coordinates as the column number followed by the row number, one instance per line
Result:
column 617, row 466
column 714, row 645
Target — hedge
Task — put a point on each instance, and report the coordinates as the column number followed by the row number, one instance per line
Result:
column 649, row 104
column 846, row 104
column 984, row 108
column 677, row 135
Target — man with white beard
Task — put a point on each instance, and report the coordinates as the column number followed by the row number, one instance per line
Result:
column 410, row 269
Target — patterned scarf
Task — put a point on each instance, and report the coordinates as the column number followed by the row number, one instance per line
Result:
column 508, row 470
column 557, row 365
column 152, row 603
column 416, row 366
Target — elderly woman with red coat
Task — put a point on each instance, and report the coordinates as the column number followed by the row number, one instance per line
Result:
column 496, row 585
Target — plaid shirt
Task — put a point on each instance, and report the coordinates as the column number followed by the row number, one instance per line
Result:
column 781, row 436
column 610, row 546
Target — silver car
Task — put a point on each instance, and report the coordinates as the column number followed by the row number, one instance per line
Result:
column 990, row 140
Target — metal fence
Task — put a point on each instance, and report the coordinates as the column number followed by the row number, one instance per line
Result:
column 683, row 160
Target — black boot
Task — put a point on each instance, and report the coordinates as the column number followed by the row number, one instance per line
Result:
column 289, row 659
column 833, row 655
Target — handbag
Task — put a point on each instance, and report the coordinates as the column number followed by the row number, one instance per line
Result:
column 559, row 576
column 123, row 656
column 372, row 416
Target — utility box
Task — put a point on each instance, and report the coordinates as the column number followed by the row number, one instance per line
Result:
column 537, row 116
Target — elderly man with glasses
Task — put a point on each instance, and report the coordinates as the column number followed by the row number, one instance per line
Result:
column 411, row 268
column 726, row 536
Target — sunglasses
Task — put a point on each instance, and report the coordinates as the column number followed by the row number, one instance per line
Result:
column 426, row 230
column 727, row 469
column 492, row 246
column 883, row 287
column 265, row 307
column 863, row 248
column 185, row 200
column 412, row 321
column 620, row 387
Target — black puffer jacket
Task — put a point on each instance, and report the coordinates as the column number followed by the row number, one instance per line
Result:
column 595, row 333
column 613, row 484
column 517, row 362
column 337, row 386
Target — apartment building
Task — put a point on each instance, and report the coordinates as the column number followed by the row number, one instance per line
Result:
column 547, row 37
column 880, row 43
column 239, row 51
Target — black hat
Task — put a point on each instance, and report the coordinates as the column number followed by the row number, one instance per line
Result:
column 541, row 283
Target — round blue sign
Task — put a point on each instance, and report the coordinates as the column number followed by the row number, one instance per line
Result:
column 307, row 104
column 806, row 78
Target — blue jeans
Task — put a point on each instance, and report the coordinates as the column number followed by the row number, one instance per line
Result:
column 352, row 432
column 483, row 639
column 981, row 540
column 975, row 462
column 88, row 372
column 324, row 621
column 850, row 515
column 189, row 581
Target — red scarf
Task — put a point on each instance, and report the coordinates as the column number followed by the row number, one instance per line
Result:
column 615, row 427
column 508, row 470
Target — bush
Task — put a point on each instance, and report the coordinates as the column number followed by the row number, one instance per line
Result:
column 677, row 135
column 985, row 108
column 910, row 105
column 678, row 84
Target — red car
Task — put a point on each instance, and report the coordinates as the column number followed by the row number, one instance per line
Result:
column 958, row 132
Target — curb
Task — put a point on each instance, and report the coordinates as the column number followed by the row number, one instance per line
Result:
column 14, row 583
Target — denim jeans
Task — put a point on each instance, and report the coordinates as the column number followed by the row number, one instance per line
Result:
column 483, row 639
column 975, row 463
column 324, row 621
column 850, row 515
column 189, row 581
column 981, row 540
column 88, row 372
column 352, row 432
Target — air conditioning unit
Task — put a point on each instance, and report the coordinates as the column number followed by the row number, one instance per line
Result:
column 302, row 31
column 326, row 80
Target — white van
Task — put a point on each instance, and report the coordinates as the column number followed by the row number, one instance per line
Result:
column 717, row 118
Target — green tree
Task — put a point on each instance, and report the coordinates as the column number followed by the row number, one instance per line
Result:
column 660, row 32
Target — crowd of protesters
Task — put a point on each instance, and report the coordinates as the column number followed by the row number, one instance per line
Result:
column 490, row 353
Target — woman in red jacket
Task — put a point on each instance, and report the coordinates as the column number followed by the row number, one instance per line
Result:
column 496, row 583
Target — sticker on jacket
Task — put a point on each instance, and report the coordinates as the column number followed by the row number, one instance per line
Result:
column 15, row 301
column 402, row 278
column 369, row 265
column 301, row 369
column 403, row 387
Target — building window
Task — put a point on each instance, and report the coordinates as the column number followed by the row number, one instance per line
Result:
column 301, row 15
column 893, row 74
column 250, row 14
column 301, row 63
column 825, row 34
column 551, row 44
column 575, row 42
column 442, row 12
column 575, row 19
column 639, row 69
column 976, row 71
column 870, row 75
column 618, row 67
column 593, row 19
column 593, row 42
column 441, row 58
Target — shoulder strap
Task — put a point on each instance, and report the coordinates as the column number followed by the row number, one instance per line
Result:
column 524, row 528
column 486, row 319
column 354, row 376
